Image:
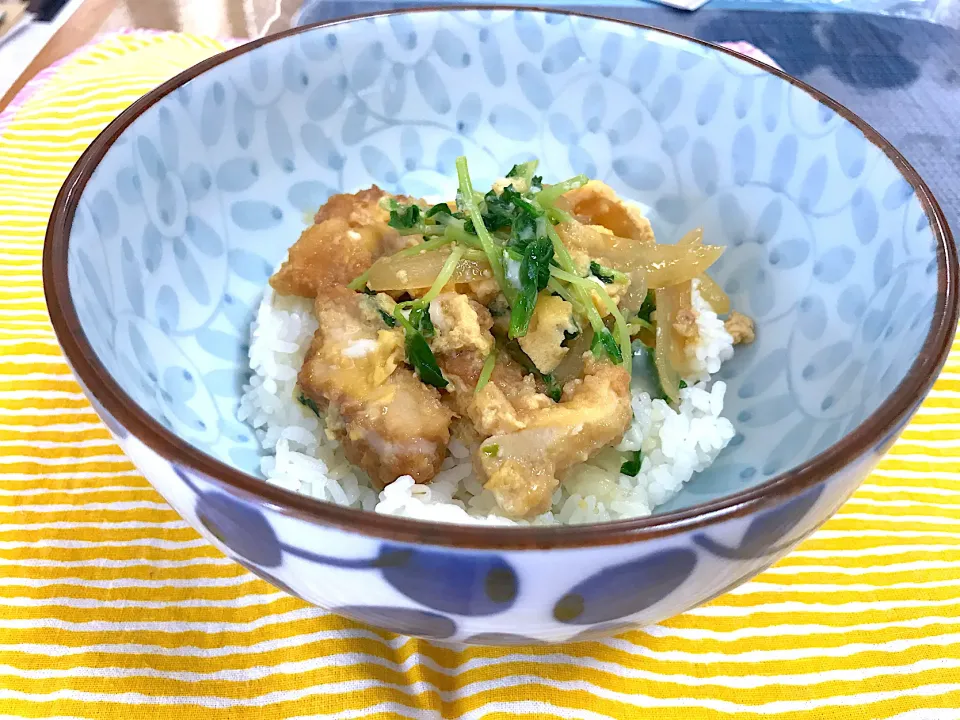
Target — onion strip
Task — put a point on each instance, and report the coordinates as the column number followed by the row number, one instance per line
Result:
column 423, row 247
column 446, row 272
column 714, row 294
column 694, row 237
column 663, row 350
column 421, row 271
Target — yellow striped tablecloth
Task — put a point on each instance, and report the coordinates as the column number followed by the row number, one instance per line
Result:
column 112, row 607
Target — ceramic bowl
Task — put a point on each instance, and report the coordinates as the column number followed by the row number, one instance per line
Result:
column 167, row 229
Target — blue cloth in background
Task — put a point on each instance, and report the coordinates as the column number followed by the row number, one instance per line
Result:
column 900, row 75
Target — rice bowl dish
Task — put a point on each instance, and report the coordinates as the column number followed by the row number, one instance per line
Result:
column 163, row 349
column 669, row 434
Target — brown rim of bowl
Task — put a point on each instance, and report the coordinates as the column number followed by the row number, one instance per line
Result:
column 885, row 420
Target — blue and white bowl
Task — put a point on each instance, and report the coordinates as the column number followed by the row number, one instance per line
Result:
column 166, row 231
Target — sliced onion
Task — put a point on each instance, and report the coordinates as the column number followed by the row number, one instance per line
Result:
column 669, row 377
column 669, row 354
column 662, row 265
column 714, row 294
column 637, row 292
column 572, row 364
column 420, row 271
column 694, row 237
column 596, row 243
column 667, row 265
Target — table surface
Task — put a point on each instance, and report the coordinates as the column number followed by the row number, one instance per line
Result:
column 74, row 26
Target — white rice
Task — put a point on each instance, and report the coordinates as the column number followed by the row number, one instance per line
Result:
column 300, row 456
column 714, row 345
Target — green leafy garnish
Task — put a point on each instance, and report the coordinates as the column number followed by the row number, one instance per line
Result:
column 487, row 370
column 360, row 281
column 516, row 171
column 498, row 211
column 419, row 355
column 534, row 275
column 308, row 402
column 491, row 450
column 632, row 466
column 580, row 291
column 387, row 318
column 519, row 203
column 604, row 342
column 619, row 324
column 550, row 194
column 524, row 170
column 513, row 227
column 647, row 307
column 523, row 230
column 558, row 216
column 420, row 319
column 443, row 277
column 405, row 217
column 683, row 384
column 604, row 274
column 438, row 209
column 554, row 388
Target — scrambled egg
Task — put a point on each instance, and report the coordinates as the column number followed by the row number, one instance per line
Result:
column 740, row 328
column 597, row 204
column 460, row 323
column 543, row 343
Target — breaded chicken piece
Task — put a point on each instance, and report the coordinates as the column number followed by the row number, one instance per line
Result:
column 596, row 203
column 392, row 424
column 349, row 233
column 503, row 404
column 552, row 319
column 521, row 467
